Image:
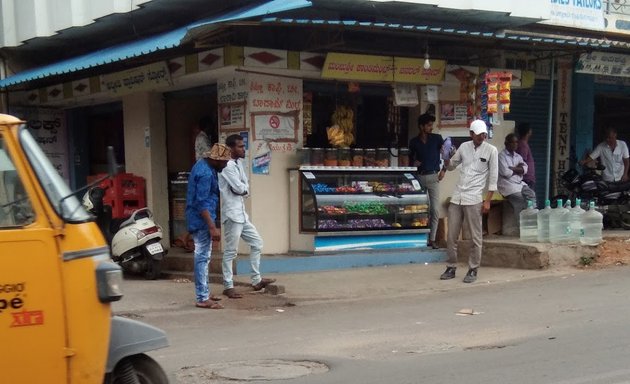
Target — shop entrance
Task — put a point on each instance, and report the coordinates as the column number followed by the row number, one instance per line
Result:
column 611, row 111
column 93, row 129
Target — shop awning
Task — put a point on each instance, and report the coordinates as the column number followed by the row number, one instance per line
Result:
column 152, row 44
column 510, row 35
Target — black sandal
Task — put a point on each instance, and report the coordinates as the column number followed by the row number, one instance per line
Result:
column 232, row 294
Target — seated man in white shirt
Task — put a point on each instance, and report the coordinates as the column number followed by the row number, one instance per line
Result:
column 614, row 156
column 512, row 167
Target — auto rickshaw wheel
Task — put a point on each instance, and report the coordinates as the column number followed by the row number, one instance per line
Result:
column 138, row 369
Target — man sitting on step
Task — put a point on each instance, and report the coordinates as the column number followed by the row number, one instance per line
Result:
column 511, row 185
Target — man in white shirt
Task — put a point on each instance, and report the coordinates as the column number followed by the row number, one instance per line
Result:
column 234, row 187
column 479, row 165
column 614, row 156
column 512, row 167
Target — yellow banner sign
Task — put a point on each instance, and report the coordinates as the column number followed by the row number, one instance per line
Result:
column 346, row 66
column 410, row 70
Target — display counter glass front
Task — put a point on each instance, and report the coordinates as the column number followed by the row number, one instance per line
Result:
column 362, row 199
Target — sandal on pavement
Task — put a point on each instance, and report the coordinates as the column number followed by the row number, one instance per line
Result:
column 263, row 283
column 232, row 294
column 208, row 304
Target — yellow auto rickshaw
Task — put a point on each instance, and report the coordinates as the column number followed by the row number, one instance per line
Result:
column 57, row 281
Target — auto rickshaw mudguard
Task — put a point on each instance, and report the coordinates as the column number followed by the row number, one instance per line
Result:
column 129, row 337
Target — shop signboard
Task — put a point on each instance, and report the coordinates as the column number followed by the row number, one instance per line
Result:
column 346, row 66
column 144, row 78
column 604, row 63
column 563, row 121
column 583, row 14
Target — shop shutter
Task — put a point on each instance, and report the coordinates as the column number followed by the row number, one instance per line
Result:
column 532, row 105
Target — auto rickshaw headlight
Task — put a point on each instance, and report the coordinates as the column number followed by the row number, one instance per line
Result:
column 109, row 278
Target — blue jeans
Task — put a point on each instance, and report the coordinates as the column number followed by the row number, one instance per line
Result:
column 203, row 251
column 233, row 231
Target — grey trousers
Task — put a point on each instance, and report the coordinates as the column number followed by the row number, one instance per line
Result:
column 456, row 216
column 432, row 185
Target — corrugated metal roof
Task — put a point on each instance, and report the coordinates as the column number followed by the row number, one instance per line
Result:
column 501, row 35
column 149, row 45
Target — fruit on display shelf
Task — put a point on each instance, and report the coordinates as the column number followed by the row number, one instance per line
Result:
column 368, row 208
column 341, row 133
column 332, row 210
column 353, row 224
column 420, row 222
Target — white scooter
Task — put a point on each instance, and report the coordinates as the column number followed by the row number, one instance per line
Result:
column 135, row 244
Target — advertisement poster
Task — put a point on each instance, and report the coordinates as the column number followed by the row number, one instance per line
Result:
column 262, row 158
column 453, row 114
column 48, row 126
column 232, row 116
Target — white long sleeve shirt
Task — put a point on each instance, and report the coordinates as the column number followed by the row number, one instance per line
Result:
column 478, row 166
column 234, row 187
column 510, row 182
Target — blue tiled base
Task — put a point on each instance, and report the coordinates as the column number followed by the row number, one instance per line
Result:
column 344, row 260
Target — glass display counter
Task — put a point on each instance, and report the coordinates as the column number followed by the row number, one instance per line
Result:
column 370, row 200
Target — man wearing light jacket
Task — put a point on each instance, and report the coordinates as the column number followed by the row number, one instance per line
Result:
column 234, row 187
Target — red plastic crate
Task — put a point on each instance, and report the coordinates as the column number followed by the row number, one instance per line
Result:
column 124, row 193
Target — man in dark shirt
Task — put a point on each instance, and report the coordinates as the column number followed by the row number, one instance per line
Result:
column 424, row 151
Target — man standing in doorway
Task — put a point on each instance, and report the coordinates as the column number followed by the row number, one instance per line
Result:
column 614, row 156
column 202, row 141
column 524, row 132
column 479, row 165
column 424, row 151
column 201, row 215
column 234, row 188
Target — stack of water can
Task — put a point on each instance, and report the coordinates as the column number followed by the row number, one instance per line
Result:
column 561, row 225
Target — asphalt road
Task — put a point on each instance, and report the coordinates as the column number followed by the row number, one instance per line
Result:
column 565, row 327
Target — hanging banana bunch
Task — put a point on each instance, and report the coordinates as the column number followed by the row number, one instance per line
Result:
column 341, row 134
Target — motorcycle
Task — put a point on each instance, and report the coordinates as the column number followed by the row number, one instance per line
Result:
column 136, row 241
column 612, row 199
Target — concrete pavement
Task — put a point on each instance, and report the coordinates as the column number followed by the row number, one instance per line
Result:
column 303, row 288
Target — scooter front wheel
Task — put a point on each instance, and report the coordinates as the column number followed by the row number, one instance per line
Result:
column 137, row 369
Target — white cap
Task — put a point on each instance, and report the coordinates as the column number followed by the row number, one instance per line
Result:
column 478, row 127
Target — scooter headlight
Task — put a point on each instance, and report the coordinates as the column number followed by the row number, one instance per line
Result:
column 139, row 234
column 109, row 279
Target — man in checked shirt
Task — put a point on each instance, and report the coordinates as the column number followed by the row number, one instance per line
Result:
column 479, row 165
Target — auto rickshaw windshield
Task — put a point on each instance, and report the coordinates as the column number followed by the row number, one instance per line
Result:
column 67, row 207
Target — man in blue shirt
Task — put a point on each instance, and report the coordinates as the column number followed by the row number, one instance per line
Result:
column 202, row 201
column 424, row 152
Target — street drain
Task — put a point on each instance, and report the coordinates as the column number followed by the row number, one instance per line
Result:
column 268, row 370
column 258, row 370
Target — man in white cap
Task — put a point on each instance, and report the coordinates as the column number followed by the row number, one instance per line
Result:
column 479, row 165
